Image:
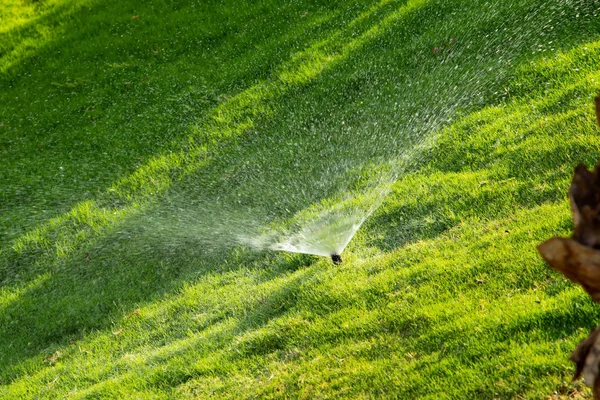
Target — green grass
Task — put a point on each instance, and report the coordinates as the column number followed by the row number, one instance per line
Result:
column 238, row 115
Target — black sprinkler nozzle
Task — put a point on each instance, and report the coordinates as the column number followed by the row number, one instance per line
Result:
column 336, row 258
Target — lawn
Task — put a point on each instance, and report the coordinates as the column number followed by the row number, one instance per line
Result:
column 144, row 146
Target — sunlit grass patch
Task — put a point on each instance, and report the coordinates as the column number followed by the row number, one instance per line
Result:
column 28, row 26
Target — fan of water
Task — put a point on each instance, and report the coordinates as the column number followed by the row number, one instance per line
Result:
column 325, row 233
column 307, row 181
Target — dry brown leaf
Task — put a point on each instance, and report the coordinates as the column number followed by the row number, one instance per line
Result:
column 579, row 263
column 54, row 358
column 578, row 259
column 584, row 197
column 587, row 359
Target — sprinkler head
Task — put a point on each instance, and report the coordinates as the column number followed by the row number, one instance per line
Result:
column 336, row 258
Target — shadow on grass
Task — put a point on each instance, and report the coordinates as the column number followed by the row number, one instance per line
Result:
column 102, row 97
column 58, row 296
column 104, row 281
column 105, row 277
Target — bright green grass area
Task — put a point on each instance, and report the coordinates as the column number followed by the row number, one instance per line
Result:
column 106, row 120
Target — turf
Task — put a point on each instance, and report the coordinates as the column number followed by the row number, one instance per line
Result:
column 233, row 113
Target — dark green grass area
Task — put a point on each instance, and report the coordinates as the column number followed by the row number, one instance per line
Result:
column 120, row 120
